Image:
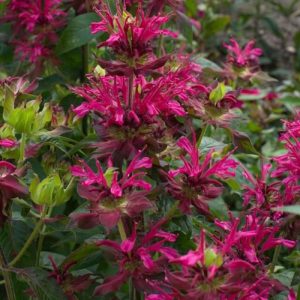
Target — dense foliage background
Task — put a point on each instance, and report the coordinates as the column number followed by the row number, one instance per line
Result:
column 149, row 149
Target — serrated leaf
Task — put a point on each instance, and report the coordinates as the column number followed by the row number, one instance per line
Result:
column 77, row 33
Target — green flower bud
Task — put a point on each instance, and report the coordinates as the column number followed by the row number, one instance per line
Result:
column 50, row 191
column 211, row 258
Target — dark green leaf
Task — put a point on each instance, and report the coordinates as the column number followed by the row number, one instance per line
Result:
column 39, row 281
column 77, row 33
column 81, row 253
column 216, row 25
column 243, row 142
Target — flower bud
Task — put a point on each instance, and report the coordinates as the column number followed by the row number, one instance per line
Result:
column 211, row 258
column 50, row 191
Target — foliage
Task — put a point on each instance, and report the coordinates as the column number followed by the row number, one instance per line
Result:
column 149, row 149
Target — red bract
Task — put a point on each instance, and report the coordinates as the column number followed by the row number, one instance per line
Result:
column 142, row 259
column 242, row 57
column 10, row 188
column 195, row 182
column 111, row 197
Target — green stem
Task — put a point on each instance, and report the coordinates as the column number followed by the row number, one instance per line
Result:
column 40, row 246
column 172, row 211
column 85, row 62
column 122, row 230
column 7, row 278
column 203, row 131
column 42, row 237
column 22, row 150
column 275, row 258
column 29, row 241
column 130, row 91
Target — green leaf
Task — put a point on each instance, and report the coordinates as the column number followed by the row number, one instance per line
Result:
column 272, row 26
column 292, row 209
column 191, row 6
column 185, row 27
column 207, row 64
column 81, row 253
column 216, row 25
column 208, row 143
column 217, row 93
column 243, row 142
column 77, row 33
column 291, row 100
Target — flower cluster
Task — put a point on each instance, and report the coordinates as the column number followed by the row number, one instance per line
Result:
column 197, row 181
column 173, row 202
column 35, row 24
column 110, row 197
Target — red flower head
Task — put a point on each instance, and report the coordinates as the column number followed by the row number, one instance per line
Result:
column 141, row 258
column 35, row 23
column 265, row 195
column 288, row 164
column 10, row 188
column 8, row 143
column 248, row 56
column 129, row 35
column 127, row 122
column 111, row 197
column 196, row 181
column 223, row 271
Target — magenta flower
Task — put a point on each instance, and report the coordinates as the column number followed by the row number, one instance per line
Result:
column 140, row 258
column 195, row 182
column 288, row 164
column 107, row 97
column 129, row 35
column 264, row 195
column 8, row 143
column 271, row 96
column 247, row 56
column 251, row 241
column 111, row 197
column 35, row 23
column 37, row 13
column 10, row 188
column 127, row 122
column 218, row 272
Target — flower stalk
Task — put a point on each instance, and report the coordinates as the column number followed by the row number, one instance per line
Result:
column 7, row 277
column 33, row 235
